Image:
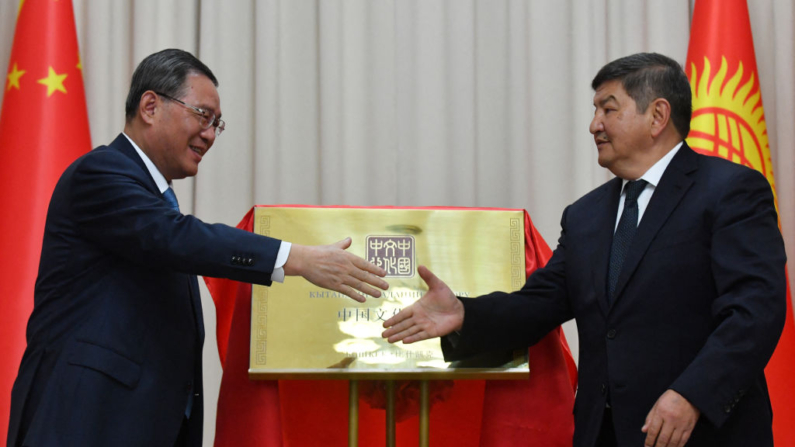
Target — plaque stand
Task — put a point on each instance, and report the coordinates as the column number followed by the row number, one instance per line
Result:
column 340, row 340
column 353, row 413
column 424, row 414
column 390, row 413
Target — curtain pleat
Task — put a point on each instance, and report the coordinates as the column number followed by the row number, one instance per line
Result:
column 404, row 102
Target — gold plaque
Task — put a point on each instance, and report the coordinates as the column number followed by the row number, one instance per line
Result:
column 300, row 331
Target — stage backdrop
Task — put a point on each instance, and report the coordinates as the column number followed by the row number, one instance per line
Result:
column 404, row 102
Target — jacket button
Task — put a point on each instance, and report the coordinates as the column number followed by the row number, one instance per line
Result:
column 604, row 389
column 727, row 409
column 611, row 334
column 249, row 262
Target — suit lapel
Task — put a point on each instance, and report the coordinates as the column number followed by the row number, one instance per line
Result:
column 122, row 144
column 673, row 185
column 605, row 211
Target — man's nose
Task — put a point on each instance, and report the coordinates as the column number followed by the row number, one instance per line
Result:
column 208, row 135
column 596, row 125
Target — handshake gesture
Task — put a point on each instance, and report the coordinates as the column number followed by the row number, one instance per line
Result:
column 436, row 314
column 334, row 268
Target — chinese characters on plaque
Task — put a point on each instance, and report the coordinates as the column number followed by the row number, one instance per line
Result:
column 395, row 254
column 299, row 331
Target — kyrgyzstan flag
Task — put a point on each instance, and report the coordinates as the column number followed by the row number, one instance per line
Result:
column 729, row 122
column 43, row 128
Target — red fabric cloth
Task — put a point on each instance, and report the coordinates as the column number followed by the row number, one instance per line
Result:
column 407, row 395
column 721, row 31
column 472, row 413
column 43, row 128
column 543, row 413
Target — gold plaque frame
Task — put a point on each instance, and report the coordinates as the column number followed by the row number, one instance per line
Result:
column 299, row 331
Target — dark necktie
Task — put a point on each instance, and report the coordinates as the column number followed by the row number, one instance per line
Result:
column 171, row 198
column 622, row 239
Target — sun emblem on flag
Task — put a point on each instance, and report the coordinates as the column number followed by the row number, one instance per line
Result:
column 728, row 118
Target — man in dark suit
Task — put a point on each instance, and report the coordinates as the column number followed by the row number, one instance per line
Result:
column 115, row 338
column 674, row 272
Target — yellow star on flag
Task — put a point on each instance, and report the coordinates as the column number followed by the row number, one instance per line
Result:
column 13, row 77
column 79, row 63
column 53, row 81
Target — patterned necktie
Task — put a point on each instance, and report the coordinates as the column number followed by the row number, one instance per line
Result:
column 171, row 199
column 622, row 239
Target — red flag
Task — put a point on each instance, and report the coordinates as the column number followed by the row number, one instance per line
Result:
column 729, row 121
column 43, row 128
column 271, row 413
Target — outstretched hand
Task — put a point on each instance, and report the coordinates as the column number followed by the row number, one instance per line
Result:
column 437, row 313
column 333, row 268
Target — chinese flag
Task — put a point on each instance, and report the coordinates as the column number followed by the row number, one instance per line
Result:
column 728, row 121
column 43, row 128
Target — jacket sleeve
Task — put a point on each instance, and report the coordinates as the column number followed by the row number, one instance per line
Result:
column 748, row 266
column 115, row 210
column 502, row 321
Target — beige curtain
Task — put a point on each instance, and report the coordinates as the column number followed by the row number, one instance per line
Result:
column 404, row 102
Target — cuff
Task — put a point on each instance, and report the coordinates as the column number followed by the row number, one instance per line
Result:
column 281, row 259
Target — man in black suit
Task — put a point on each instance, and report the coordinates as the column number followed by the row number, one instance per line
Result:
column 674, row 272
column 115, row 338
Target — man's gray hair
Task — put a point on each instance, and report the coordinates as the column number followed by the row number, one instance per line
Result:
column 163, row 72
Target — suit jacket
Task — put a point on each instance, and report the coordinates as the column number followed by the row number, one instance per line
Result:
column 699, row 307
column 115, row 337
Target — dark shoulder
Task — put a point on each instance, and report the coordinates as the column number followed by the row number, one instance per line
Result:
column 599, row 194
column 104, row 163
column 585, row 208
column 104, row 155
column 108, row 159
column 717, row 172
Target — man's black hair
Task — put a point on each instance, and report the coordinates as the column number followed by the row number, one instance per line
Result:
column 648, row 76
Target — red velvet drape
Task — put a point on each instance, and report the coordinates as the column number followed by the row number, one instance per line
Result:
column 537, row 411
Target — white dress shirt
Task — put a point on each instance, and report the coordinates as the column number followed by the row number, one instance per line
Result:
column 652, row 178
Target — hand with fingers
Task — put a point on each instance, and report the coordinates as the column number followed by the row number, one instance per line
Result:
column 670, row 421
column 334, row 268
column 437, row 313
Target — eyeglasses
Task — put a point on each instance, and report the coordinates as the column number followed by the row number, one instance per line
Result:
column 206, row 120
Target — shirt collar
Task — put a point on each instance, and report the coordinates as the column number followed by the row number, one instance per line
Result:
column 655, row 173
column 160, row 180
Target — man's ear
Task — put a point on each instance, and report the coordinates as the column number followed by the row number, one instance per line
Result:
column 148, row 106
column 660, row 116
